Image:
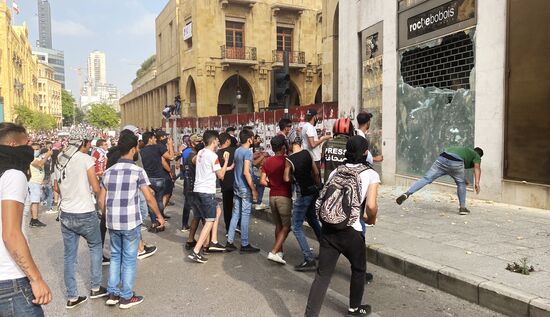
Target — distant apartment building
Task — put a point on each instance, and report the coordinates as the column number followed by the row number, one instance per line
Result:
column 55, row 59
column 97, row 68
column 49, row 93
column 210, row 52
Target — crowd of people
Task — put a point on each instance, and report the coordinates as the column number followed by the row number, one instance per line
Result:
column 326, row 179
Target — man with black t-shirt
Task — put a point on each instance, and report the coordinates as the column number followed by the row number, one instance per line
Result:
column 303, row 169
column 227, row 182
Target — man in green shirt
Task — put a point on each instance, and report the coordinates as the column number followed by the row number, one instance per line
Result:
column 451, row 162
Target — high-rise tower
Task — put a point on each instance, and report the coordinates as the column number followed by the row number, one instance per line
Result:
column 44, row 24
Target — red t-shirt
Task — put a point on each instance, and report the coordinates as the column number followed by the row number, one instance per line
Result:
column 274, row 168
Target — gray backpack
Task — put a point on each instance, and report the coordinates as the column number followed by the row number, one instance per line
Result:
column 339, row 203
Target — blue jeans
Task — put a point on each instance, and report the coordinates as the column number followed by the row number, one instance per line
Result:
column 304, row 208
column 74, row 226
column 122, row 270
column 242, row 206
column 16, row 299
column 159, row 186
column 443, row 166
column 49, row 195
column 259, row 188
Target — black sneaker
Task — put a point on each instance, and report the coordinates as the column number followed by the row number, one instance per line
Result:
column 463, row 211
column 363, row 310
column 249, row 249
column 147, row 252
column 78, row 301
column 230, row 247
column 216, row 247
column 102, row 292
column 105, row 261
column 205, row 251
column 190, row 245
column 369, row 277
column 185, row 229
column 112, row 300
column 306, row 266
column 35, row 223
column 402, row 198
column 131, row 302
column 199, row 258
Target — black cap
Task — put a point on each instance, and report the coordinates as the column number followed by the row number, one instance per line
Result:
column 160, row 133
column 311, row 112
column 230, row 129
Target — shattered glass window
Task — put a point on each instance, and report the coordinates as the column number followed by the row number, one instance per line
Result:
column 435, row 100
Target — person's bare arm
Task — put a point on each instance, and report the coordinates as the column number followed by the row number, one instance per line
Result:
column 249, row 180
column 39, row 163
column 152, row 203
column 165, row 165
column 92, row 179
column 313, row 144
column 221, row 173
column 477, row 177
column 16, row 244
column 288, row 171
column 263, row 179
column 56, row 186
column 371, row 207
column 316, row 173
column 101, row 200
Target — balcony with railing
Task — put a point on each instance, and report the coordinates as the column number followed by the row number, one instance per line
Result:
column 296, row 59
column 245, row 55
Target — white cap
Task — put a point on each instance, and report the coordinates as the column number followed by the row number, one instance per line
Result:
column 132, row 128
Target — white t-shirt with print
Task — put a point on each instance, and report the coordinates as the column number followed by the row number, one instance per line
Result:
column 76, row 194
column 205, row 174
column 308, row 130
column 368, row 177
column 13, row 186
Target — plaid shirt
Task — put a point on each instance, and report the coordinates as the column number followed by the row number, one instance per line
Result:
column 123, row 182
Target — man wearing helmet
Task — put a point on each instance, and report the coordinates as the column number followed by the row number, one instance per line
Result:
column 334, row 150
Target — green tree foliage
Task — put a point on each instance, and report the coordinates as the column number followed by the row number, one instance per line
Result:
column 102, row 116
column 67, row 107
column 145, row 67
column 79, row 115
column 34, row 120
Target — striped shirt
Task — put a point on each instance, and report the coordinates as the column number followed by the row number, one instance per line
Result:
column 123, row 182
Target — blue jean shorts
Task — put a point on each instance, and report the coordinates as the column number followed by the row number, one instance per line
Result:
column 207, row 205
column 36, row 192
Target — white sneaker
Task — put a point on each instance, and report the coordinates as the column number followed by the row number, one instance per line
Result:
column 260, row 207
column 281, row 254
column 275, row 258
column 51, row 211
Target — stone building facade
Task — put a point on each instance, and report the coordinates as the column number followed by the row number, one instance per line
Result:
column 49, row 93
column 211, row 51
column 18, row 67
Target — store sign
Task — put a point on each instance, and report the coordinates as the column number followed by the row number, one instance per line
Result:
column 188, row 31
column 445, row 15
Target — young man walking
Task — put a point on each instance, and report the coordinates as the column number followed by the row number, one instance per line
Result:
column 36, row 182
column 119, row 200
column 245, row 193
column 188, row 170
column 75, row 176
column 453, row 161
column 19, row 275
column 363, row 121
column 100, row 157
column 280, row 197
column 301, row 167
column 227, row 183
column 207, row 170
column 310, row 139
column 348, row 240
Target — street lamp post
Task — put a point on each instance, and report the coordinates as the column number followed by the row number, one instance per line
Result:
column 238, row 96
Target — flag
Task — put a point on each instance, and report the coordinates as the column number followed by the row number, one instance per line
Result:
column 15, row 7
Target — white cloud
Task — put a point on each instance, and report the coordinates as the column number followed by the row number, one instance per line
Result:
column 141, row 26
column 70, row 28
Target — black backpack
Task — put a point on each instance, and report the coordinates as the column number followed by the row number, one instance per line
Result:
column 339, row 204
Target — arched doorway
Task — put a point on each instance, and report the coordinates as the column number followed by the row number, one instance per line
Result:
column 319, row 95
column 335, row 54
column 294, row 95
column 191, row 94
column 235, row 96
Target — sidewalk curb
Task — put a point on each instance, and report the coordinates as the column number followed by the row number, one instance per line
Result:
column 487, row 293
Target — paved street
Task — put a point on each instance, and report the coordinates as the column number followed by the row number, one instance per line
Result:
column 234, row 284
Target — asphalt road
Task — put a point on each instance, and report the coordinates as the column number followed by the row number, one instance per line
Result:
column 231, row 284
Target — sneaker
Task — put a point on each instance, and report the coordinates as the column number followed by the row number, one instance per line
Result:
column 249, row 249
column 363, row 310
column 368, row 277
column 281, row 254
column 463, row 211
column 238, row 230
column 105, row 261
column 306, row 266
column 199, row 258
column 112, row 300
column 205, row 251
column 185, row 229
column 102, row 292
column 78, row 301
column 51, row 211
column 229, row 247
column 190, row 245
column 131, row 302
column 147, row 252
column 275, row 258
column 260, row 207
column 216, row 247
column 36, row 223
column 402, row 198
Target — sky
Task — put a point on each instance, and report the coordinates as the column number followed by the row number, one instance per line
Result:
column 123, row 29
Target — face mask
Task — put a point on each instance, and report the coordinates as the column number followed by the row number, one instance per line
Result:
column 36, row 153
column 165, row 141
